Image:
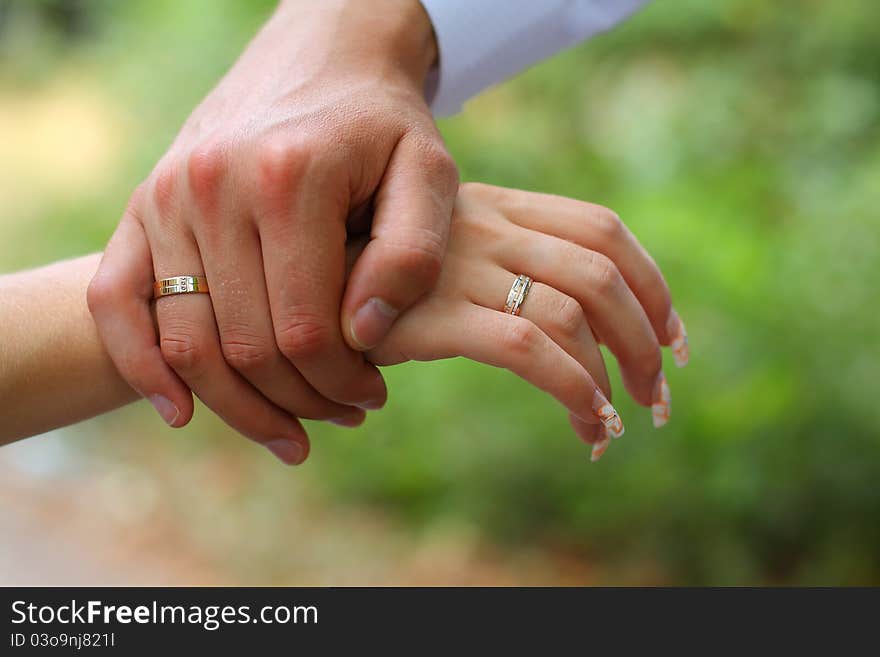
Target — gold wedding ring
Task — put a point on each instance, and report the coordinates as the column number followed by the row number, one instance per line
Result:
column 517, row 295
column 180, row 285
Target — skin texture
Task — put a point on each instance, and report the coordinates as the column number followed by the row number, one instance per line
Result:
column 53, row 368
column 322, row 118
column 553, row 344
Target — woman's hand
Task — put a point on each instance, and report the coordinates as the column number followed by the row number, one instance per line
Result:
column 593, row 283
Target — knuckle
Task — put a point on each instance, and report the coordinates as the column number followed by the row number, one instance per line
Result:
column 207, row 167
column 569, row 317
column 246, row 354
column 605, row 278
column 137, row 198
column 475, row 189
column 439, row 161
column 607, row 224
column 282, row 164
column 181, row 351
column 470, row 192
column 138, row 201
column 436, row 159
column 164, row 189
column 470, row 188
column 521, row 337
column 419, row 258
column 304, row 335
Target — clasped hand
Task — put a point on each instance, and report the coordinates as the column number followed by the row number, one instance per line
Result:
column 321, row 133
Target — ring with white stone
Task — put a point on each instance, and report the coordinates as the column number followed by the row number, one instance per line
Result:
column 517, row 295
column 188, row 284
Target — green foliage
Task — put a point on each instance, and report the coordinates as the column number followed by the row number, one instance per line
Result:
column 739, row 141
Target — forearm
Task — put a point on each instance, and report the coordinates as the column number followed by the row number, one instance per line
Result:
column 53, row 369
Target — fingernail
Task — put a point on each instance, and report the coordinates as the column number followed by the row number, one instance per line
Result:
column 605, row 411
column 675, row 328
column 372, row 322
column 370, row 405
column 348, row 422
column 661, row 408
column 166, row 408
column 287, row 451
column 600, row 447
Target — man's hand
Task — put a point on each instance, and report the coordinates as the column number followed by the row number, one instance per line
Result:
column 322, row 117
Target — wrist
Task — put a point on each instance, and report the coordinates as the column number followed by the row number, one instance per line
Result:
column 391, row 35
column 415, row 44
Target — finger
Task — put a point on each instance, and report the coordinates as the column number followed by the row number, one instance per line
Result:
column 597, row 436
column 408, row 239
column 599, row 229
column 558, row 315
column 234, row 268
column 501, row 340
column 119, row 299
column 589, row 433
column 302, row 232
column 562, row 319
column 615, row 314
column 191, row 345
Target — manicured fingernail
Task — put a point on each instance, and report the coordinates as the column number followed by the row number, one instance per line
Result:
column 287, row 451
column 661, row 408
column 166, row 408
column 605, row 411
column 600, row 447
column 675, row 328
column 372, row 322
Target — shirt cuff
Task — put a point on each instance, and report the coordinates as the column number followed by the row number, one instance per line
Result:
column 482, row 42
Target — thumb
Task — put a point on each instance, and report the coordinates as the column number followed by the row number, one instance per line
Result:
column 402, row 260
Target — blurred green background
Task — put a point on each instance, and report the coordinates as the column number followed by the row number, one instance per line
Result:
column 738, row 139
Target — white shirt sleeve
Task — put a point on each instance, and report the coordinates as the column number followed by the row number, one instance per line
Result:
column 482, row 42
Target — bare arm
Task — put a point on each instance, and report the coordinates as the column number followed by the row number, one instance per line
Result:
column 53, row 369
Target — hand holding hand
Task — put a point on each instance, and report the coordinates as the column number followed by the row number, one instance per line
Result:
column 593, row 282
column 323, row 116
